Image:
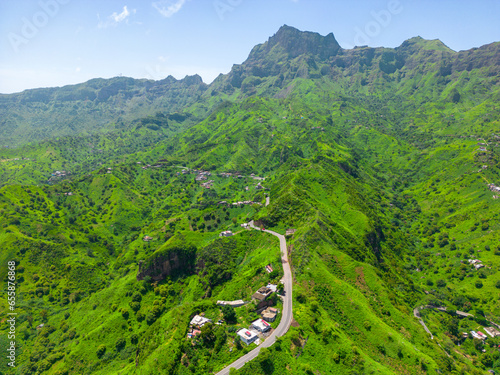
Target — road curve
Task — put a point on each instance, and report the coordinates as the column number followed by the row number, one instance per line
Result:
column 286, row 318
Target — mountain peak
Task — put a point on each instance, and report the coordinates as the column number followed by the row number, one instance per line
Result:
column 426, row 44
column 292, row 43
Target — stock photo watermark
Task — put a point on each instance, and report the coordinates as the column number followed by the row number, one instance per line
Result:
column 223, row 6
column 11, row 321
column 31, row 26
column 380, row 20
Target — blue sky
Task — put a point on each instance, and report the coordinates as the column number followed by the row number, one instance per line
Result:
column 45, row 43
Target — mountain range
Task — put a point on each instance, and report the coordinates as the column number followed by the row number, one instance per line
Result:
column 380, row 164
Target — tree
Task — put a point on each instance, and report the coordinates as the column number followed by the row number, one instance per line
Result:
column 100, row 351
column 137, row 297
column 124, row 313
column 44, row 314
column 207, row 333
column 135, row 306
column 479, row 284
column 440, row 283
column 274, row 274
column 280, row 288
column 120, row 344
column 229, row 314
column 134, row 339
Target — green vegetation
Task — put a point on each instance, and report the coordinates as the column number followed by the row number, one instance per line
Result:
column 381, row 159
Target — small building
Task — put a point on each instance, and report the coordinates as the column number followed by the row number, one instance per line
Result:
column 147, row 238
column 261, row 294
column 226, row 233
column 244, row 225
column 261, row 325
column 199, row 321
column 259, row 186
column 40, row 326
column 482, row 335
column 269, row 314
column 290, row 231
column 478, row 335
column 462, row 314
column 193, row 333
column 236, row 303
column 273, row 287
column 493, row 332
column 247, row 336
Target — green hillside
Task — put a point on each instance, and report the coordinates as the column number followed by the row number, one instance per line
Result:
column 384, row 161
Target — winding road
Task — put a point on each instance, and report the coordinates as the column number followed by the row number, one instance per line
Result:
column 286, row 318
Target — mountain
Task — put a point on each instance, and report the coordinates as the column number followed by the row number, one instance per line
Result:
column 384, row 162
column 94, row 106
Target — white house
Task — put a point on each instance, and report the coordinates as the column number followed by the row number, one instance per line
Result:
column 261, row 325
column 236, row 303
column 226, row 233
column 492, row 331
column 247, row 336
column 199, row 321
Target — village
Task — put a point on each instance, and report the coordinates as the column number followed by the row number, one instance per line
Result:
column 259, row 329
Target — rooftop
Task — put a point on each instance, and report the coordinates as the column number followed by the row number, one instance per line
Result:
column 247, row 334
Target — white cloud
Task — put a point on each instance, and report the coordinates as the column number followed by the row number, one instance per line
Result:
column 115, row 18
column 122, row 16
column 167, row 8
column 78, row 69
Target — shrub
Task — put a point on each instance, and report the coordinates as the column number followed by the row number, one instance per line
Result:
column 140, row 316
column 137, row 297
column 124, row 313
column 497, row 285
column 120, row 344
column 381, row 348
column 135, row 306
column 367, row 325
column 134, row 339
column 440, row 283
column 479, row 284
column 100, row 351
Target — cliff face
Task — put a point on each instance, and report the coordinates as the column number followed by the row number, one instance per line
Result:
column 173, row 262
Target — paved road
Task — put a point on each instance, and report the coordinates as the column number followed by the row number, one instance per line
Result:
column 286, row 318
column 267, row 201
